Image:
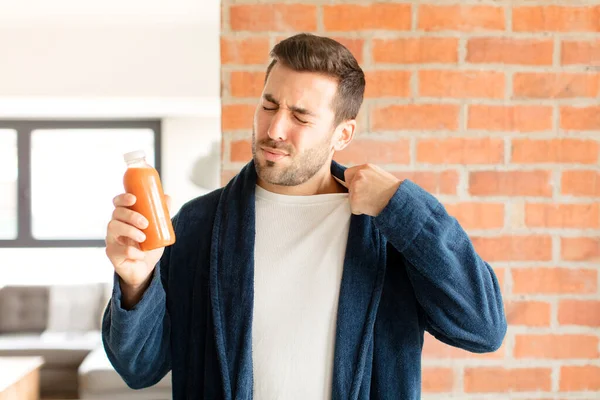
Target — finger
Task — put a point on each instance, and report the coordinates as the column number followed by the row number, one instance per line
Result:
column 130, row 217
column 128, row 242
column 349, row 174
column 124, row 200
column 119, row 253
column 133, row 253
column 120, row 240
column 118, row 228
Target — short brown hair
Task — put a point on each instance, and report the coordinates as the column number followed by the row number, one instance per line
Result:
column 310, row 53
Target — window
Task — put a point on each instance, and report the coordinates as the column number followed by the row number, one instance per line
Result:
column 58, row 178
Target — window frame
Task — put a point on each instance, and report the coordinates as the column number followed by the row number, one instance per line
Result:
column 24, row 128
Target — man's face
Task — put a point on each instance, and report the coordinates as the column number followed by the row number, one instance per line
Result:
column 293, row 126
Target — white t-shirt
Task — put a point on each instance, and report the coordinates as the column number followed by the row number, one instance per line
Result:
column 299, row 256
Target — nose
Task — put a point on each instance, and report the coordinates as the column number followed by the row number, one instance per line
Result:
column 278, row 127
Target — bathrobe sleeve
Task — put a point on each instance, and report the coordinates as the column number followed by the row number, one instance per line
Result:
column 137, row 341
column 457, row 290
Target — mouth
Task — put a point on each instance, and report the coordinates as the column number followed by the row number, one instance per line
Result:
column 273, row 154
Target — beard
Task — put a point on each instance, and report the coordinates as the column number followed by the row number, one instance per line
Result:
column 303, row 166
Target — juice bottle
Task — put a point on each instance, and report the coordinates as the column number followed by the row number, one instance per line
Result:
column 142, row 180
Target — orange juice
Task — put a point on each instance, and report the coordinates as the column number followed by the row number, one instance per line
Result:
column 143, row 182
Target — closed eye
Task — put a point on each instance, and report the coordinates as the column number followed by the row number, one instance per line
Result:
column 299, row 120
column 275, row 109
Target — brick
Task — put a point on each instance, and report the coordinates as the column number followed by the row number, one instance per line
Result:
column 460, row 18
column 461, row 84
column 580, row 118
column 510, row 51
column 415, row 117
column 579, row 312
column 241, row 151
column 444, row 182
column 273, row 17
column 433, row 349
column 550, row 280
column 556, row 346
column 526, row 151
column 460, row 151
column 503, row 380
column 510, row 183
column 420, row 50
column 247, row 84
column 356, row 17
column 556, row 19
column 514, row 248
column 387, row 84
column 237, row 116
column 362, row 151
column 510, row 118
column 543, row 85
column 585, row 52
column 356, row 46
column 528, row 313
column 580, row 183
column 254, row 50
column 478, row 215
column 437, row 380
column 580, row 249
column 579, row 378
column 565, row 216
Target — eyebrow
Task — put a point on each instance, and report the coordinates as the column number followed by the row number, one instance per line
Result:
column 299, row 110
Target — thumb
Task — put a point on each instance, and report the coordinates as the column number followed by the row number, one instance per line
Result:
column 349, row 174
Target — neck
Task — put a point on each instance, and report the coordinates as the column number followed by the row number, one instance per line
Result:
column 321, row 183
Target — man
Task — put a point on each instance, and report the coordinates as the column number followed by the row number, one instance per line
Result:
column 300, row 279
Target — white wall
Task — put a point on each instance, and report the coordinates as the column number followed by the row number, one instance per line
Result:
column 113, row 48
column 114, row 59
column 162, row 60
column 191, row 153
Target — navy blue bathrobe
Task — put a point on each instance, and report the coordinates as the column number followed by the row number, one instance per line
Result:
column 410, row 269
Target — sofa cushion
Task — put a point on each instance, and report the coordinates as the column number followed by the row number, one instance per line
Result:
column 23, row 308
column 76, row 308
column 58, row 349
column 98, row 378
column 56, row 308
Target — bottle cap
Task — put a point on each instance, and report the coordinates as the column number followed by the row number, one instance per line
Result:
column 134, row 155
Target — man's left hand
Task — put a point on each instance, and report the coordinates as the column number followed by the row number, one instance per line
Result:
column 370, row 188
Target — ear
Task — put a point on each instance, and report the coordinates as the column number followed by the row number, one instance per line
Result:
column 344, row 133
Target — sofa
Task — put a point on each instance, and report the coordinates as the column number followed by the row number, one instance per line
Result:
column 61, row 323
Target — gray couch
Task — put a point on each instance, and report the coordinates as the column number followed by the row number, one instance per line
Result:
column 62, row 324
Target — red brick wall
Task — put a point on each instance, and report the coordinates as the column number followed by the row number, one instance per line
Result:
column 494, row 107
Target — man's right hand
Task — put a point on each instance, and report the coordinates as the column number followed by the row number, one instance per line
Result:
column 123, row 236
